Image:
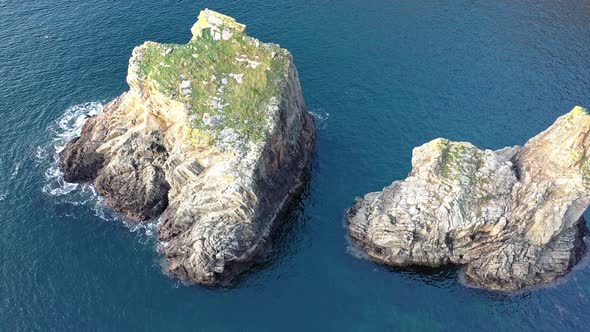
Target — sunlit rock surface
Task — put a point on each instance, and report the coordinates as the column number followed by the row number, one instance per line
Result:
column 512, row 217
column 213, row 136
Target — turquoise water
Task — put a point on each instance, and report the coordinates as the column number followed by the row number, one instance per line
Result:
column 380, row 76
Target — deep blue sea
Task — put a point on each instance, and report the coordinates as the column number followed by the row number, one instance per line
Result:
column 380, row 76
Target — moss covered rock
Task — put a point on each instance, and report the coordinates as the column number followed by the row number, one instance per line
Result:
column 225, row 78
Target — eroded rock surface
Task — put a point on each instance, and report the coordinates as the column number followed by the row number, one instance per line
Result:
column 214, row 135
column 512, row 217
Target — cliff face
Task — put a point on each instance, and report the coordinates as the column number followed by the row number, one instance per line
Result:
column 213, row 136
column 512, row 217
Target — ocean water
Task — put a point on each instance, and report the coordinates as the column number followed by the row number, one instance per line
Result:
column 380, row 76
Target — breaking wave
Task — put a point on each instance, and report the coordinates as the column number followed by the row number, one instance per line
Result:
column 321, row 117
column 65, row 128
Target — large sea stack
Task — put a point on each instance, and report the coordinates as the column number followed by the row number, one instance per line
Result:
column 511, row 217
column 213, row 137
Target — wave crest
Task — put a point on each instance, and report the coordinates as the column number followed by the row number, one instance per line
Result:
column 64, row 129
column 321, row 117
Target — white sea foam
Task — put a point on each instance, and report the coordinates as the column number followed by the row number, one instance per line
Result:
column 40, row 155
column 321, row 117
column 64, row 129
column 15, row 171
column 3, row 196
column 67, row 127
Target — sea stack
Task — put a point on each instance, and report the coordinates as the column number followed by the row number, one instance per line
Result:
column 213, row 138
column 511, row 217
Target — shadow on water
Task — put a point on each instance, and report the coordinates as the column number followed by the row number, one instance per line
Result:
column 285, row 237
column 452, row 276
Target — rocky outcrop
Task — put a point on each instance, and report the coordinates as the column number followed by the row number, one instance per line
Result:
column 213, row 136
column 511, row 217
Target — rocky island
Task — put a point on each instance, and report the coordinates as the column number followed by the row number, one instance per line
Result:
column 213, row 137
column 511, row 217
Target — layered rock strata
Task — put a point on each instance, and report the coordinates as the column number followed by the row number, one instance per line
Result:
column 213, row 136
column 511, row 217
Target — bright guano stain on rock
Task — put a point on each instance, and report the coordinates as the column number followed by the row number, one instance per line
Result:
column 512, row 217
column 213, row 137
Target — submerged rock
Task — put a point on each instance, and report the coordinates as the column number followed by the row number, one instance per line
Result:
column 219, row 188
column 512, row 217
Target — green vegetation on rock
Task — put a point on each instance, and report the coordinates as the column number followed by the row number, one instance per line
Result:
column 225, row 83
column 459, row 158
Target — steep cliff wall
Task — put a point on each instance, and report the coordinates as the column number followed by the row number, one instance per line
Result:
column 213, row 135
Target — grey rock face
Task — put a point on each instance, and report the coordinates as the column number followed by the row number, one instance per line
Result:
column 218, row 199
column 133, row 181
column 215, row 228
column 512, row 217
